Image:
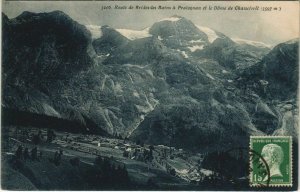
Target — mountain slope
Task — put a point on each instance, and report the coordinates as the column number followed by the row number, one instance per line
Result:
column 279, row 69
column 174, row 83
column 49, row 45
column 275, row 79
column 40, row 51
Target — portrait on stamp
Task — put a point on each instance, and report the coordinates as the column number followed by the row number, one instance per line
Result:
column 273, row 155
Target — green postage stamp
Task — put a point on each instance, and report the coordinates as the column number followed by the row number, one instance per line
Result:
column 270, row 161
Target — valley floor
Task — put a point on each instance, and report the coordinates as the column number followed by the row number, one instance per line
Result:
column 165, row 168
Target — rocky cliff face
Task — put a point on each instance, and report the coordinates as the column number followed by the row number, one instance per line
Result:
column 44, row 46
column 275, row 79
column 233, row 55
column 178, row 33
column 109, row 41
column 40, row 52
column 174, row 83
column 278, row 71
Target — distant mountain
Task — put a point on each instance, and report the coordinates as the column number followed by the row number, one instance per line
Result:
column 179, row 33
column 109, row 40
column 251, row 43
column 236, row 55
column 187, row 39
column 134, row 34
column 279, row 70
column 173, row 83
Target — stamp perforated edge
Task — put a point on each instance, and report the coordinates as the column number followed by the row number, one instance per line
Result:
column 291, row 161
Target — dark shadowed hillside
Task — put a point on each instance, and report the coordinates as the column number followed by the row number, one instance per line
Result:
column 173, row 83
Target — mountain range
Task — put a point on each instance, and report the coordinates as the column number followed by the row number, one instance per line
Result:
column 173, row 83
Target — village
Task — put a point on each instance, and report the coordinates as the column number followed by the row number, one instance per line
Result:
column 175, row 162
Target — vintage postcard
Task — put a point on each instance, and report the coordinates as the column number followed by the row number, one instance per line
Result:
column 150, row 95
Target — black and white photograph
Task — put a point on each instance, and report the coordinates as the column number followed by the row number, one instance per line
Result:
column 149, row 95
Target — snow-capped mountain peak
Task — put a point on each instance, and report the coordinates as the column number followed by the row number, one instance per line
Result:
column 211, row 34
column 250, row 42
column 134, row 34
column 172, row 19
column 95, row 31
column 128, row 33
column 292, row 41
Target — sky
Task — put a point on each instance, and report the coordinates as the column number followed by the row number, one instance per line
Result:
column 271, row 27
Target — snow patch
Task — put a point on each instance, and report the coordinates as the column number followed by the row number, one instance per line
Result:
column 197, row 41
column 230, row 81
column 48, row 110
column 183, row 171
column 263, row 82
column 229, row 106
column 209, row 75
column 183, row 53
column 136, row 94
column 196, row 47
column 95, row 31
column 206, row 172
column 150, row 72
column 173, row 19
column 118, row 88
column 211, row 34
column 224, row 71
column 159, row 38
column 134, row 34
column 138, row 66
column 253, row 43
